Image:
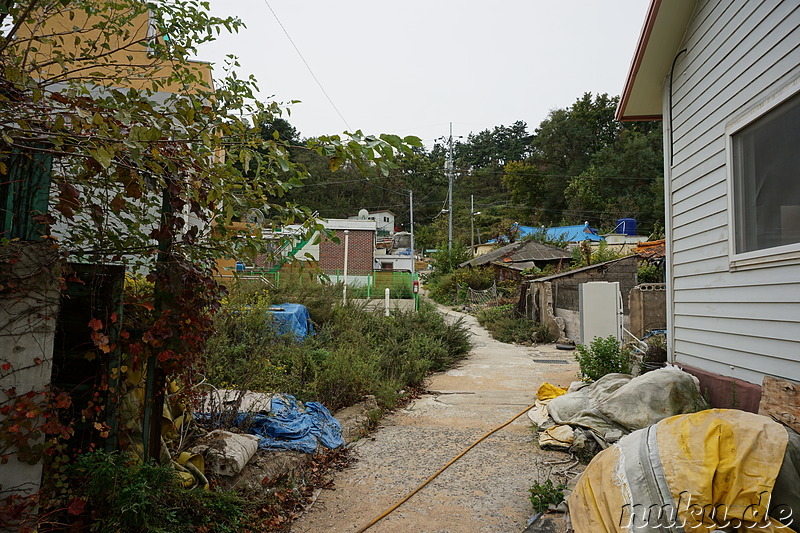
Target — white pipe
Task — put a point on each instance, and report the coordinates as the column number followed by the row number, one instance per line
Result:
column 386, row 301
column 346, row 250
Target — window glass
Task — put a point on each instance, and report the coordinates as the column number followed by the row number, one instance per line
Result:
column 766, row 180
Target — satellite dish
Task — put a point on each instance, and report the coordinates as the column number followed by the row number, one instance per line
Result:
column 254, row 216
column 362, row 214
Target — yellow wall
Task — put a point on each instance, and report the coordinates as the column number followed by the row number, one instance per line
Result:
column 112, row 57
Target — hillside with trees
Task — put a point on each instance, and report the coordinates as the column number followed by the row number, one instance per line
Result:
column 578, row 165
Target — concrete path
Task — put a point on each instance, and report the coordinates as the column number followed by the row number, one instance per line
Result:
column 486, row 490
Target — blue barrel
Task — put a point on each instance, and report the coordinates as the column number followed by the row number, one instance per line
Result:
column 626, row 226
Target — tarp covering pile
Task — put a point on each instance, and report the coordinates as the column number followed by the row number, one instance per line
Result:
column 617, row 404
column 716, row 469
column 292, row 319
column 290, row 425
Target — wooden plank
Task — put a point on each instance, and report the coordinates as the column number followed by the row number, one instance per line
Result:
column 780, row 400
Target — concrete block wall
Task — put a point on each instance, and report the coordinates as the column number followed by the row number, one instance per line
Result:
column 648, row 305
column 360, row 254
column 623, row 271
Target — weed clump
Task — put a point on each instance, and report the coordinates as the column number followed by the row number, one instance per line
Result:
column 507, row 325
column 603, row 356
column 112, row 492
column 544, row 494
column 354, row 353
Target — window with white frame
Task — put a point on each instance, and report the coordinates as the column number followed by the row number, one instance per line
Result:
column 765, row 179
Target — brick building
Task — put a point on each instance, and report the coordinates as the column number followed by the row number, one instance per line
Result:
column 361, row 252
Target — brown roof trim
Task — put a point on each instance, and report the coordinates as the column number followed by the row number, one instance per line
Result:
column 644, row 38
column 635, row 118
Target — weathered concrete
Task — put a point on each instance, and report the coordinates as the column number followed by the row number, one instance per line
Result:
column 553, row 300
column 486, row 490
column 648, row 305
column 27, row 331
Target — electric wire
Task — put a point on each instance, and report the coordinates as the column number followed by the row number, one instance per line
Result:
column 308, row 66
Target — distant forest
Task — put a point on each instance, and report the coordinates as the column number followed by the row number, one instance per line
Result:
column 578, row 165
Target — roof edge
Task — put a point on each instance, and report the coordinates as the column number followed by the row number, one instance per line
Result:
column 636, row 62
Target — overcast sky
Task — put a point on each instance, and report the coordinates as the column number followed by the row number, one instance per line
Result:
column 411, row 67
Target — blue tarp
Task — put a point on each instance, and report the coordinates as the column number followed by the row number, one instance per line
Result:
column 292, row 319
column 291, row 426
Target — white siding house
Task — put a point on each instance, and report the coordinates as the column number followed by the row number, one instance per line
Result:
column 724, row 75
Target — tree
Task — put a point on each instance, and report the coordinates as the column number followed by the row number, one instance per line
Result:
column 585, row 165
column 149, row 163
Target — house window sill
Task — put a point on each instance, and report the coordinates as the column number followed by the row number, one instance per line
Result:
column 765, row 261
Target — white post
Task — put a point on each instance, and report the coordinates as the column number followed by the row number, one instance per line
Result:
column 386, row 300
column 346, row 250
column 411, row 226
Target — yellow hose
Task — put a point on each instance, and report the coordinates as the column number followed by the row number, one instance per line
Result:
column 445, row 467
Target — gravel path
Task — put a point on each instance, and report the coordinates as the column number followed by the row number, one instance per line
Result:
column 486, row 490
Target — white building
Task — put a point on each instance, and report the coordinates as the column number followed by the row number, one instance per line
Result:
column 383, row 219
column 725, row 79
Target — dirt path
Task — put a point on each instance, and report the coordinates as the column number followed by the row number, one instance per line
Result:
column 486, row 490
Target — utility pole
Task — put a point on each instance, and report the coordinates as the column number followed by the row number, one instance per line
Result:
column 449, row 169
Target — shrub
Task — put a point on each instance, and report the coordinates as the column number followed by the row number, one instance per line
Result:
column 446, row 289
column 603, row 356
column 445, row 261
column 506, row 325
column 649, row 273
column 543, row 494
column 355, row 352
column 113, row 493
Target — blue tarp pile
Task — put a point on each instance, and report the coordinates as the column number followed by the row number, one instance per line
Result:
column 292, row 319
column 290, row 425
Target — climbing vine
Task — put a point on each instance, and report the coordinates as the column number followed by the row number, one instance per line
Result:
column 143, row 162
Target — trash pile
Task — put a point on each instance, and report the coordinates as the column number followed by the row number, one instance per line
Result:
column 278, row 422
column 666, row 462
column 591, row 416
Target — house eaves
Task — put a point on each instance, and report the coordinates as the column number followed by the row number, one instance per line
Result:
column 567, row 273
column 662, row 34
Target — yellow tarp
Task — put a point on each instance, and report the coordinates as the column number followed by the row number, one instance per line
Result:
column 720, row 466
column 548, row 392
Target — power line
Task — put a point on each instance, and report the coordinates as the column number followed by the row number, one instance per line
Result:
column 308, row 66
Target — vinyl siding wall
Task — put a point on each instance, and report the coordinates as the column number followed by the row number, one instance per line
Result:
column 743, row 323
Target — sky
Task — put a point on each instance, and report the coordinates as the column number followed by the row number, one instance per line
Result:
column 412, row 67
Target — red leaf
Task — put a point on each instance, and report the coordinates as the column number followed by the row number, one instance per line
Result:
column 114, row 318
column 6, row 367
column 96, row 324
column 76, row 506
